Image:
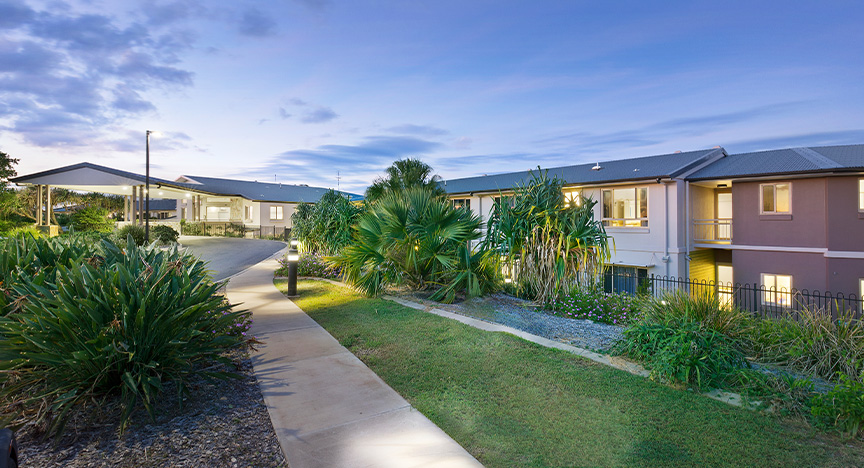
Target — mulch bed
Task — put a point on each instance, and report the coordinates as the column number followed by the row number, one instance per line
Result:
column 220, row 424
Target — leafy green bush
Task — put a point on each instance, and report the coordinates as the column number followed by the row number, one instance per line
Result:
column 134, row 230
column 29, row 230
column 842, row 407
column 814, row 344
column 165, row 234
column 586, row 302
column 193, row 228
column 106, row 321
column 92, row 218
column 311, row 265
column 683, row 351
column 420, row 240
column 325, row 227
column 702, row 308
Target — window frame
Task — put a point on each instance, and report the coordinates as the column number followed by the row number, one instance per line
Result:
column 461, row 203
column 861, row 195
column 572, row 196
column 762, row 200
column 280, row 213
column 773, row 296
column 611, row 222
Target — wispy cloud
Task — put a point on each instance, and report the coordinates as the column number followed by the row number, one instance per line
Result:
column 318, row 115
column 255, row 23
column 841, row 137
column 419, row 130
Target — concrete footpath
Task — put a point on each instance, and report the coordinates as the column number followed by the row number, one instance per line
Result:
column 328, row 408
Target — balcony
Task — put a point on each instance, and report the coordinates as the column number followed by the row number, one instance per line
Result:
column 712, row 231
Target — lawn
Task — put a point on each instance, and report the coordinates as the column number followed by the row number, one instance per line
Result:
column 514, row 403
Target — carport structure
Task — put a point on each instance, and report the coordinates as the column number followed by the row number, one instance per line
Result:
column 88, row 177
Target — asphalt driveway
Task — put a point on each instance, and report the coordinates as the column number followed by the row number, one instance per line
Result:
column 226, row 256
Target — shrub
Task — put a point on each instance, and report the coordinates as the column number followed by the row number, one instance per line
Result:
column 815, row 343
column 29, row 230
column 683, row 351
column 585, row 302
column 120, row 322
column 325, row 227
column 703, row 308
column 134, row 230
column 420, row 240
column 165, row 234
column 310, row 265
column 92, row 218
column 842, row 407
column 777, row 391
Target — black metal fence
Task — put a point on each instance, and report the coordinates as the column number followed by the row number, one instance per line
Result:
column 766, row 302
column 235, row 230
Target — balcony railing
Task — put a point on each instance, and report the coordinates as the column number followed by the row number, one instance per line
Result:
column 716, row 231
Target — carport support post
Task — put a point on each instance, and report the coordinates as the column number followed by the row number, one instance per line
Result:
column 49, row 210
column 38, row 205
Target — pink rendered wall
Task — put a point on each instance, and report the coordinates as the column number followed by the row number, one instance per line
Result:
column 845, row 223
column 807, row 225
column 807, row 269
column 843, row 275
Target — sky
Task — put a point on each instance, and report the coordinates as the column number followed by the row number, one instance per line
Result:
column 330, row 92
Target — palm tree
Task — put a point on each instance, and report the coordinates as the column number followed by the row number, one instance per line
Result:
column 404, row 174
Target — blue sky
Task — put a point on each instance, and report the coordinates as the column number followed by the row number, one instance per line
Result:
column 297, row 91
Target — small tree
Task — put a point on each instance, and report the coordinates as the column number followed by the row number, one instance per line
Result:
column 7, row 195
column 325, row 227
column 404, row 174
column 547, row 243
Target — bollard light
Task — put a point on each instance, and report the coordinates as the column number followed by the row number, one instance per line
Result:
column 294, row 243
column 293, row 257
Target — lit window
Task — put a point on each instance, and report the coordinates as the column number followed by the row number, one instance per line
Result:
column 861, row 195
column 861, row 289
column 275, row 213
column 572, row 197
column 626, row 207
column 777, row 289
column 776, row 198
column 461, row 203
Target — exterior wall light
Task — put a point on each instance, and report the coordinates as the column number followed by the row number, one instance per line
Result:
column 293, row 257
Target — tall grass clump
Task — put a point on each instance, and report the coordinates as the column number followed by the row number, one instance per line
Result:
column 420, row 240
column 106, row 322
column 703, row 308
column 815, row 343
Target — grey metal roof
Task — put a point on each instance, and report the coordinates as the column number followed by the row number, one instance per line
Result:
column 784, row 161
column 622, row 170
column 86, row 165
column 262, row 191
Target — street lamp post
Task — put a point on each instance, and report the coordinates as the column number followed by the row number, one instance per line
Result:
column 147, row 192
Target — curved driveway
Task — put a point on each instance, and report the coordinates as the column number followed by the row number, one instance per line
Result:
column 226, row 256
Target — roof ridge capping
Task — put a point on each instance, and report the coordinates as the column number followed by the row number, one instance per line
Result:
column 820, row 160
column 716, row 153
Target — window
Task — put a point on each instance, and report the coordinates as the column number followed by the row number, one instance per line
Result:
column 777, row 289
column 861, row 195
column 248, row 212
column 725, row 281
column 572, row 196
column 624, row 279
column 461, row 203
column 626, row 207
column 776, row 198
column 861, row 289
column 275, row 213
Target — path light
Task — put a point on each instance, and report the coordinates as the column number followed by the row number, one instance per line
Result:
column 293, row 257
column 294, row 243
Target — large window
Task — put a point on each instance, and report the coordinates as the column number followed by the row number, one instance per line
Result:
column 776, row 198
column 572, row 197
column 275, row 213
column 861, row 195
column 778, row 289
column 461, row 203
column 625, row 207
column 624, row 279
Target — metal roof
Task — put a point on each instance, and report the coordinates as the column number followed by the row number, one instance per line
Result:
column 784, row 161
column 622, row 170
column 261, row 191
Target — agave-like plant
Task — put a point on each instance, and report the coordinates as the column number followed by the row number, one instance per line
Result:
column 121, row 321
column 416, row 238
column 547, row 243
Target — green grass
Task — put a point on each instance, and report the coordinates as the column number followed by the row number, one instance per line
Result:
column 514, row 403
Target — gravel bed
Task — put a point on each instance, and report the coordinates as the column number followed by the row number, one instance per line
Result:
column 523, row 315
column 220, row 424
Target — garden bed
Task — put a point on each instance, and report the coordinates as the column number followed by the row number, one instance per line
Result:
column 523, row 315
column 222, row 423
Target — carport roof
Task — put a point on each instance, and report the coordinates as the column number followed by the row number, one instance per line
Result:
column 261, row 191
